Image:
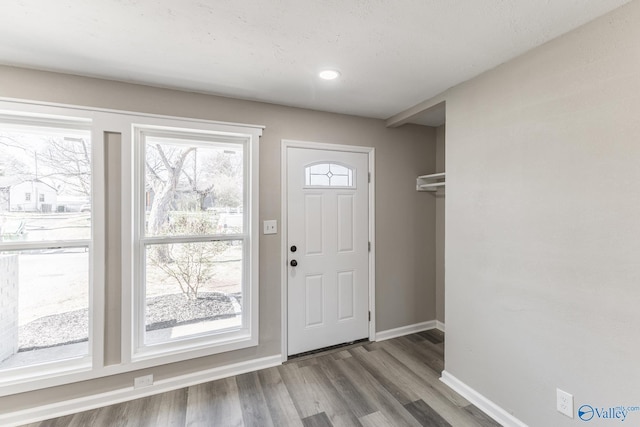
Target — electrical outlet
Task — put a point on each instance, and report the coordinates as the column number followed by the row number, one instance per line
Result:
column 144, row 381
column 564, row 403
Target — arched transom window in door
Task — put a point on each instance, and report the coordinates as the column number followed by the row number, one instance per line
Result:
column 329, row 174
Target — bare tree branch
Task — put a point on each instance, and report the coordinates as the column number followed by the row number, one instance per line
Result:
column 166, row 192
column 69, row 163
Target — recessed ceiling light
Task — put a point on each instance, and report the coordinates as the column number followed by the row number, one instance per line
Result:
column 329, row 74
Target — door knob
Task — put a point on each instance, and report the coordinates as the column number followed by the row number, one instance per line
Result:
column 294, row 248
column 293, row 263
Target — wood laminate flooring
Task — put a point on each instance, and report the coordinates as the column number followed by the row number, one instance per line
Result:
column 389, row 383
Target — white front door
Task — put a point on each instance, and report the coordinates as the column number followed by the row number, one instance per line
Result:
column 328, row 255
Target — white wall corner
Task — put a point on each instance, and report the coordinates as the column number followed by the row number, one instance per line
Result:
column 481, row 402
column 86, row 403
column 406, row 330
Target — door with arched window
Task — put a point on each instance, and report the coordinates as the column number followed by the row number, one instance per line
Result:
column 328, row 255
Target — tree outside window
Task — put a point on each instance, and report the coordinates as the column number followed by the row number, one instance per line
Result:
column 193, row 235
column 45, row 292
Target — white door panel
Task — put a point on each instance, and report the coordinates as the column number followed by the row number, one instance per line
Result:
column 328, row 289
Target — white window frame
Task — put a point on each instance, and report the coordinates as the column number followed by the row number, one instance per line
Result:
column 106, row 121
column 30, row 376
column 133, row 348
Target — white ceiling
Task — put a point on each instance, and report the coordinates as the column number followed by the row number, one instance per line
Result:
column 392, row 54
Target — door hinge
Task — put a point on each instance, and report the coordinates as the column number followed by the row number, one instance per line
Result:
column 369, row 246
column 369, row 316
column 369, row 176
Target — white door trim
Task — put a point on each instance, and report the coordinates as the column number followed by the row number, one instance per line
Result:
column 370, row 151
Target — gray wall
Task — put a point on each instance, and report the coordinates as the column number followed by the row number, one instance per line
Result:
column 440, row 225
column 543, row 224
column 405, row 271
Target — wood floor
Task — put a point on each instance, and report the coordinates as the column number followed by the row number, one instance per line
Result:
column 388, row 383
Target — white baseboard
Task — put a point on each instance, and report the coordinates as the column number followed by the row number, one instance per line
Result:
column 484, row 404
column 94, row 401
column 440, row 325
column 406, row 330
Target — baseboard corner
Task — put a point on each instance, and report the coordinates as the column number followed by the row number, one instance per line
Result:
column 405, row 330
column 485, row 405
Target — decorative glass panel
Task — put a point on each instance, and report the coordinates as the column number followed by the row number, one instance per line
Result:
column 328, row 175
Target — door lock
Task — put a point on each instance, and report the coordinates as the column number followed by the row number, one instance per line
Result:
column 293, row 263
column 294, row 248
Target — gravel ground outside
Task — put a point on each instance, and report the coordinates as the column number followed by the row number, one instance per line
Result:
column 171, row 310
column 162, row 312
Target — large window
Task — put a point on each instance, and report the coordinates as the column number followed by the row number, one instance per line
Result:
column 45, row 244
column 192, row 278
column 178, row 211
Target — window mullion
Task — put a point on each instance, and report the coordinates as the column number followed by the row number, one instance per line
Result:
column 44, row 244
column 190, row 239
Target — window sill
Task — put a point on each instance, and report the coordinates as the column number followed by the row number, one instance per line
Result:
column 178, row 351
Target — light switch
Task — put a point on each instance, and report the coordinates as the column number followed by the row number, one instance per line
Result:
column 270, row 226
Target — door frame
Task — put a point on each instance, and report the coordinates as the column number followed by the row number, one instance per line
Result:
column 284, row 272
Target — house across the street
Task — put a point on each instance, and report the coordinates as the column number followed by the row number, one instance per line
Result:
column 31, row 195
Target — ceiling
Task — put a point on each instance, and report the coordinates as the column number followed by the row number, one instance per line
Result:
column 392, row 54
